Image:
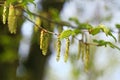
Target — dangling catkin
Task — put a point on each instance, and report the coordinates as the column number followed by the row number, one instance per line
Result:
column 41, row 38
column 79, row 49
column 4, row 13
column 44, row 41
column 12, row 19
column 67, row 49
column 87, row 56
column 82, row 49
column 58, row 48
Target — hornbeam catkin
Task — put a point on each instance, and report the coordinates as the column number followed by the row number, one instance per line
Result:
column 44, row 41
column 87, row 56
column 41, row 38
column 67, row 49
column 79, row 49
column 82, row 50
column 4, row 13
column 58, row 48
column 12, row 19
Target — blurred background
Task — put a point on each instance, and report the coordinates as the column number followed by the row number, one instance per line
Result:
column 22, row 59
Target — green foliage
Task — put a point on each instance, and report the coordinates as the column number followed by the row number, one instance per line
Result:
column 118, row 26
column 102, row 28
column 66, row 34
column 105, row 43
column 79, row 24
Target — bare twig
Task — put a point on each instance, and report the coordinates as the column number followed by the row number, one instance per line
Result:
column 62, row 23
column 40, row 26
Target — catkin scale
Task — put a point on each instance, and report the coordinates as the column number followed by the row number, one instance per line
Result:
column 67, row 49
column 12, row 19
column 58, row 48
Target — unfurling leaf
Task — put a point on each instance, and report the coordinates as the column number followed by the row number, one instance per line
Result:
column 12, row 19
column 58, row 48
column 4, row 13
column 66, row 34
column 44, row 41
column 67, row 49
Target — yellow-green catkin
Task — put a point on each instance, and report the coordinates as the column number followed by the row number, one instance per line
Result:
column 67, row 49
column 58, row 48
column 79, row 49
column 12, row 19
column 44, row 41
column 82, row 50
column 41, row 38
column 37, row 24
column 87, row 57
column 4, row 13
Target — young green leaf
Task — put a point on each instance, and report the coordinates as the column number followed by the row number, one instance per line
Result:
column 104, row 29
column 66, row 34
column 84, row 26
column 76, row 31
column 105, row 43
column 94, row 31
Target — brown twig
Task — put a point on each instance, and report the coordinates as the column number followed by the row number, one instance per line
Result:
column 40, row 26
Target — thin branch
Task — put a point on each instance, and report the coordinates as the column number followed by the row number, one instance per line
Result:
column 40, row 26
column 62, row 23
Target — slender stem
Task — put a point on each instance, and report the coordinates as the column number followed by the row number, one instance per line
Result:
column 40, row 26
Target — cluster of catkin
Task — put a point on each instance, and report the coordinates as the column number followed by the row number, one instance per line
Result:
column 12, row 17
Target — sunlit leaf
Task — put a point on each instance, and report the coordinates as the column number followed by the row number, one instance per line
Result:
column 104, row 29
column 76, row 31
column 66, row 34
column 94, row 31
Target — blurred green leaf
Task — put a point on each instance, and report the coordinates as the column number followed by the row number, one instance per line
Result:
column 66, row 34
column 105, row 43
column 117, row 25
column 104, row 29
column 74, row 19
column 84, row 26
column 94, row 31
column 76, row 31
